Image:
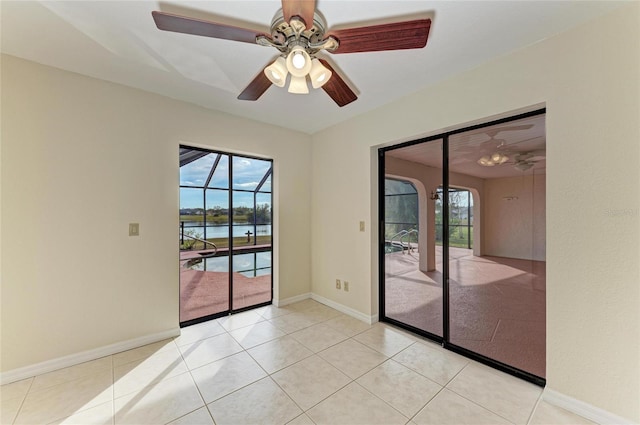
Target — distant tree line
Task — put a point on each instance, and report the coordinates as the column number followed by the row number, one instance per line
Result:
column 262, row 213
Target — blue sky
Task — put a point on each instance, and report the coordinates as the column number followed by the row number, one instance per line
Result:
column 247, row 173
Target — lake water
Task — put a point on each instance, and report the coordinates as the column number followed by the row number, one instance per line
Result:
column 222, row 231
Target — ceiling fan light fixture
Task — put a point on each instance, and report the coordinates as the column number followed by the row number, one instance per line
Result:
column 298, row 85
column 319, row 74
column 277, row 72
column 499, row 158
column 486, row 161
column 298, row 62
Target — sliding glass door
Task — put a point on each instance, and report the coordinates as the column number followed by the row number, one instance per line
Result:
column 463, row 261
column 225, row 233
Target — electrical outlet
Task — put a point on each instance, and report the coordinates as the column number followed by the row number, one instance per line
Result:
column 134, row 229
column 338, row 285
column 346, row 286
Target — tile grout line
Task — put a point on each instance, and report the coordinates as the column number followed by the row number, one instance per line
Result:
column 535, row 407
column 495, row 330
column 14, row 419
column 290, row 334
column 442, row 387
column 472, row 401
column 227, row 331
column 204, row 403
column 379, row 398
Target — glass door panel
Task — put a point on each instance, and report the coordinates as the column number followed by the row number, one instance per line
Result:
column 263, row 219
column 251, row 278
column 204, row 277
column 413, row 255
column 220, row 177
column 496, row 243
column 243, row 212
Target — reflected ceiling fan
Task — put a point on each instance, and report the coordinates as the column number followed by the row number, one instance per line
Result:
column 520, row 160
column 298, row 33
column 525, row 160
column 497, row 149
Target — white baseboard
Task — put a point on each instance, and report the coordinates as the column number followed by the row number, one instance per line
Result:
column 346, row 310
column 287, row 301
column 96, row 353
column 84, row 356
column 581, row 408
column 340, row 307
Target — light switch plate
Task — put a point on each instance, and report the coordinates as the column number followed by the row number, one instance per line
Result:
column 134, row 229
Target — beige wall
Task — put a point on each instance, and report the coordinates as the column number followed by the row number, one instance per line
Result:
column 514, row 217
column 589, row 80
column 81, row 158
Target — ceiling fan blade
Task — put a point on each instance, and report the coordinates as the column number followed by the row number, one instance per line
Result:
column 256, row 88
column 302, row 8
column 336, row 87
column 493, row 132
column 396, row 36
column 186, row 25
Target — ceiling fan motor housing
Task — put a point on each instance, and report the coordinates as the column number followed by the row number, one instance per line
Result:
column 287, row 35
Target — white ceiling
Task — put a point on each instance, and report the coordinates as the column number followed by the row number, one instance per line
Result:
column 118, row 41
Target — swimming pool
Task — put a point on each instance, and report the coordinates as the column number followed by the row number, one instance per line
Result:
column 251, row 264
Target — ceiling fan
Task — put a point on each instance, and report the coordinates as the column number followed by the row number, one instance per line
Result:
column 523, row 161
column 496, row 151
column 298, row 32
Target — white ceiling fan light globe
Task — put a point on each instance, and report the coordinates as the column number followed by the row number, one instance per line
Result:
column 319, row 74
column 486, row 161
column 499, row 158
column 298, row 62
column 298, row 85
column 277, row 72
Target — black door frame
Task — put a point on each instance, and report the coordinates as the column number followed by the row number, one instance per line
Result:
column 445, row 339
column 230, row 309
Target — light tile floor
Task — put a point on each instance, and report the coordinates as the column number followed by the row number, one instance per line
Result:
column 301, row 364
